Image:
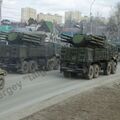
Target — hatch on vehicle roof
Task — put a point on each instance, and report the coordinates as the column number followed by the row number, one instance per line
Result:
column 78, row 38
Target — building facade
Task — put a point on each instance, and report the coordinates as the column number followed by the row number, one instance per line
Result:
column 27, row 13
column 49, row 17
column 74, row 16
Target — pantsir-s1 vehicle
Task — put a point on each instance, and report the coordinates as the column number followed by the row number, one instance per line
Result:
column 28, row 52
column 88, row 55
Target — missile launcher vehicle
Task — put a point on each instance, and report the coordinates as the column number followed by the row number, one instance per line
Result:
column 88, row 55
column 28, row 52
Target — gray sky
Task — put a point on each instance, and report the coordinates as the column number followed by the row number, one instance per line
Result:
column 11, row 8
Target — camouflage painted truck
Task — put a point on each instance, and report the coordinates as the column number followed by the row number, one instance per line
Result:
column 88, row 55
column 27, row 53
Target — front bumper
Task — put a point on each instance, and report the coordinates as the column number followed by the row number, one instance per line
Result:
column 74, row 70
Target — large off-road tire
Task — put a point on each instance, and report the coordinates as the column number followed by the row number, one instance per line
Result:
column 67, row 74
column 32, row 66
column 108, row 69
column 96, row 71
column 24, row 67
column 90, row 72
column 114, row 67
column 50, row 65
column 56, row 64
column 2, row 83
column 53, row 64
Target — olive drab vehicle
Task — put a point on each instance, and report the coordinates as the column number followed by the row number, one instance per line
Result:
column 88, row 55
column 28, row 52
column 2, row 80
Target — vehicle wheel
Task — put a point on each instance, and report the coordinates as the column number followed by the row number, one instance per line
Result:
column 24, row 67
column 114, row 67
column 96, row 71
column 90, row 72
column 108, row 69
column 67, row 74
column 56, row 64
column 2, row 83
column 50, row 65
column 32, row 66
column 5, row 73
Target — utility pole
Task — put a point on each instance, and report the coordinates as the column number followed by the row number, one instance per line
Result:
column 91, row 25
column 1, row 10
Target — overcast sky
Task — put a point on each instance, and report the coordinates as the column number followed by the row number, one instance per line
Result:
column 11, row 8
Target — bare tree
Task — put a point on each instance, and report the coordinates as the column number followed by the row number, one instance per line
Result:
column 114, row 24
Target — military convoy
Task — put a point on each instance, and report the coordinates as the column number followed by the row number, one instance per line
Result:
column 28, row 52
column 88, row 55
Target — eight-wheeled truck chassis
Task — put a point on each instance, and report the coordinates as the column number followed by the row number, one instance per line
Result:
column 88, row 62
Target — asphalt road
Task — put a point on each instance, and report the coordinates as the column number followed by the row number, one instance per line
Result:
column 26, row 94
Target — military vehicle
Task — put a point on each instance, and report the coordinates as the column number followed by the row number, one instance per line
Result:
column 28, row 52
column 2, row 80
column 88, row 55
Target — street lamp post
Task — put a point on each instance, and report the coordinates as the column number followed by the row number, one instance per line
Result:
column 0, row 10
column 91, row 25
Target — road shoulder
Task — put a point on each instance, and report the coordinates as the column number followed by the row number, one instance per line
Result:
column 100, row 103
